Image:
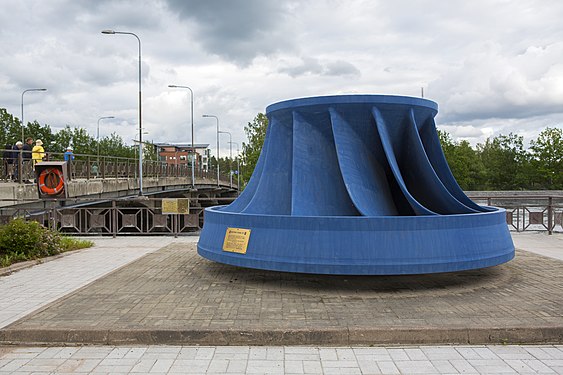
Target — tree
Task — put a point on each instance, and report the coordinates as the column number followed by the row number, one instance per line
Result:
column 113, row 145
column 464, row 162
column 149, row 151
column 38, row 131
column 504, row 159
column 467, row 167
column 78, row 138
column 547, row 158
column 10, row 128
column 256, row 133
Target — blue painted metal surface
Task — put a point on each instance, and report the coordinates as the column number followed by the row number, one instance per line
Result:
column 356, row 184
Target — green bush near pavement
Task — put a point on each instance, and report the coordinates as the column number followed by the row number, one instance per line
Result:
column 21, row 241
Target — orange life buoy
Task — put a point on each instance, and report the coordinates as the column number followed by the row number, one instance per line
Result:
column 51, row 181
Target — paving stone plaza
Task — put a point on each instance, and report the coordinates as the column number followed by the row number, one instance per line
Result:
column 152, row 305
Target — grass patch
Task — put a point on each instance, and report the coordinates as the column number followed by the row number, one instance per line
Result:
column 70, row 243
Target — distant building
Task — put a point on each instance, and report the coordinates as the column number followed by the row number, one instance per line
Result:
column 182, row 153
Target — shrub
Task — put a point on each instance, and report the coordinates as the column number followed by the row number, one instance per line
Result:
column 21, row 240
column 28, row 239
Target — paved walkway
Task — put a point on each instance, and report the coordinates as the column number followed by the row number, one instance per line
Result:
column 25, row 291
column 283, row 360
column 540, row 243
column 32, row 288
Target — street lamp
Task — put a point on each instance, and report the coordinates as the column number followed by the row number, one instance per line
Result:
column 192, row 115
column 230, row 156
column 238, row 166
column 112, row 32
column 216, row 118
column 98, row 134
column 23, row 123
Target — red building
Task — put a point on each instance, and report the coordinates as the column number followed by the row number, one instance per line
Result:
column 182, row 153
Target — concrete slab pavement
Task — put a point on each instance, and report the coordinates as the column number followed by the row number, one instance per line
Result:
column 283, row 360
column 540, row 243
column 27, row 290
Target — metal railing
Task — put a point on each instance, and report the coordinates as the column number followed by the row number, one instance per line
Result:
column 85, row 166
column 141, row 216
column 529, row 212
column 134, row 216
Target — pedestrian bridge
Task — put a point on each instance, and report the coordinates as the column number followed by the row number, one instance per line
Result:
column 91, row 176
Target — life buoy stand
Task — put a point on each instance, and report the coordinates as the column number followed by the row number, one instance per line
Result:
column 51, row 181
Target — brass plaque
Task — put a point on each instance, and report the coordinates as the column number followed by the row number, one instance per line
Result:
column 236, row 240
column 169, row 206
column 175, row 206
column 183, row 206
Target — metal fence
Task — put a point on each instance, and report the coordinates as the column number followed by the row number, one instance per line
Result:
column 144, row 216
column 106, row 167
column 528, row 213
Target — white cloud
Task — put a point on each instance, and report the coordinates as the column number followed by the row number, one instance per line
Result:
column 492, row 66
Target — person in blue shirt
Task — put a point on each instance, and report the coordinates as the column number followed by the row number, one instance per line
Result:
column 68, row 155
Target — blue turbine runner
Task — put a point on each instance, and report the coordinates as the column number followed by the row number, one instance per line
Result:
column 355, row 184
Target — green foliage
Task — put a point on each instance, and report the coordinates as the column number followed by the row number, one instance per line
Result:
column 43, row 132
column 547, row 158
column 256, row 133
column 149, row 151
column 113, row 145
column 78, row 138
column 21, row 240
column 29, row 238
column 69, row 244
column 502, row 163
column 10, row 129
column 504, row 158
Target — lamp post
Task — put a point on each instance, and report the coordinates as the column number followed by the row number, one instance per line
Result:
column 230, row 156
column 23, row 123
column 216, row 118
column 238, row 166
column 98, row 135
column 112, row 32
column 192, row 117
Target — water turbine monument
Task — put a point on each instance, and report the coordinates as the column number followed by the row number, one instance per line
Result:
column 354, row 184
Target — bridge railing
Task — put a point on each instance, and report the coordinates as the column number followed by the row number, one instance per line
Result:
column 85, row 166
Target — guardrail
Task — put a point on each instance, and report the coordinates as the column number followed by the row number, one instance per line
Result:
column 124, row 216
column 143, row 216
column 88, row 167
column 529, row 212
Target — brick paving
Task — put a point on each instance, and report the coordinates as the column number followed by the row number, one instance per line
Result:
column 173, row 296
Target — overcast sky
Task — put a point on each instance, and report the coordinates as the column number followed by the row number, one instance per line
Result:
column 492, row 66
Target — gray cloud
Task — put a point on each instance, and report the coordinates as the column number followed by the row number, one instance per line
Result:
column 312, row 66
column 237, row 30
column 490, row 67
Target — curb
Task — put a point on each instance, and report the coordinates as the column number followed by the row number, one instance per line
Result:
column 30, row 263
column 361, row 337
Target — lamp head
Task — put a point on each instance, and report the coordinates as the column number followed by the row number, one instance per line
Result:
column 108, row 32
column 173, row 86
